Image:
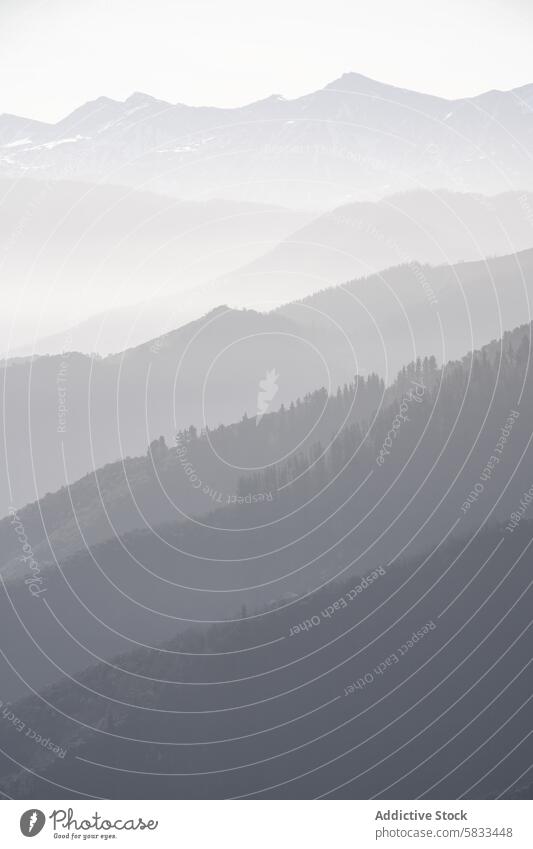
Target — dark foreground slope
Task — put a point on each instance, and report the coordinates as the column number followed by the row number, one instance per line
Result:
column 413, row 681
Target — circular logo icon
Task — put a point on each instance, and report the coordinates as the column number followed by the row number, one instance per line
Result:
column 32, row 822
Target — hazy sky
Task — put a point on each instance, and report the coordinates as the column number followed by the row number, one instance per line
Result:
column 57, row 54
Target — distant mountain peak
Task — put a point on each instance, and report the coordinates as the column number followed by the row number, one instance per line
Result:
column 354, row 76
column 103, row 100
column 140, row 98
column 351, row 81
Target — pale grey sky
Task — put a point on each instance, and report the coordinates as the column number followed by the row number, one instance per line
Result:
column 57, row 54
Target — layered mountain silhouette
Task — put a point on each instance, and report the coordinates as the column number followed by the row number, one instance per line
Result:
column 67, row 415
column 266, row 501
column 360, row 239
column 297, row 694
column 348, row 242
column 156, row 263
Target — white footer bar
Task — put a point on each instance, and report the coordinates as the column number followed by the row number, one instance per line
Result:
column 267, row 824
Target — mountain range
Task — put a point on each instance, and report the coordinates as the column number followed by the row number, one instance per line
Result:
column 354, row 139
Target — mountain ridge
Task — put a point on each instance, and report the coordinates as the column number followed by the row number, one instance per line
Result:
column 348, row 77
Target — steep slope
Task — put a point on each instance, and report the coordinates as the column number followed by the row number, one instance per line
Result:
column 416, row 310
column 141, row 492
column 68, row 414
